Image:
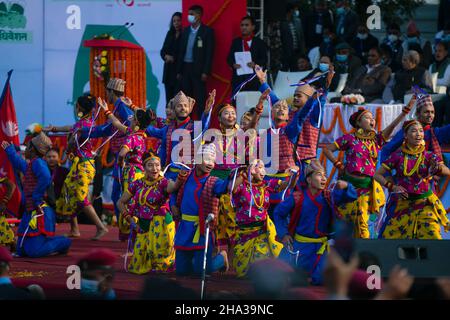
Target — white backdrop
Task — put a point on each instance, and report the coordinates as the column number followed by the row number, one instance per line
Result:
column 44, row 63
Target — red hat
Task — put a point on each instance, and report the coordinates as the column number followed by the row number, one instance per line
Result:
column 411, row 29
column 5, row 255
column 98, row 259
column 354, row 118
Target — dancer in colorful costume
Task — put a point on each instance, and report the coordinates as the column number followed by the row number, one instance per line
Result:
column 36, row 231
column 6, row 233
column 130, row 154
column 123, row 110
column 154, row 246
column 255, row 234
column 361, row 155
column 305, row 219
column 417, row 212
column 75, row 191
column 197, row 198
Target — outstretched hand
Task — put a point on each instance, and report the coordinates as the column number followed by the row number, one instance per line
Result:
column 210, row 101
column 262, row 75
column 102, row 103
column 330, row 75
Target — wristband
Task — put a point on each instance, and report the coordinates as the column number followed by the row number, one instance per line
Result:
column 406, row 110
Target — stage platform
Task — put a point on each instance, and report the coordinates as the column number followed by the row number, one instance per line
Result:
column 50, row 272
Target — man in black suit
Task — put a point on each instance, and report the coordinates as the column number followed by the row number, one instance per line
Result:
column 292, row 38
column 315, row 24
column 196, row 56
column 258, row 49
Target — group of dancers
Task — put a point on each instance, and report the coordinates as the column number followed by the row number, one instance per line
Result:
column 162, row 197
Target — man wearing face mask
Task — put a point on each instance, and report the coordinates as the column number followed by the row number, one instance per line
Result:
column 363, row 42
column 292, row 38
column 416, row 43
column 393, row 41
column 345, row 61
column 346, row 20
column 328, row 45
column 97, row 275
column 196, row 56
column 247, row 42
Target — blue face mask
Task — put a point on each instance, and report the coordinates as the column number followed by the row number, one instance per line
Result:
column 326, row 39
column 341, row 57
column 89, row 288
column 340, row 11
column 324, row 67
column 413, row 40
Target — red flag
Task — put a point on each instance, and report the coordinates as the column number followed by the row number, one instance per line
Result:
column 9, row 131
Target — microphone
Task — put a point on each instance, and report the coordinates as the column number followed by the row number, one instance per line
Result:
column 126, row 28
column 122, row 26
column 209, row 219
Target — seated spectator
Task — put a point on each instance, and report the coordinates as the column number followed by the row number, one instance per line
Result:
column 416, row 43
column 411, row 75
column 303, row 63
column 7, row 290
column 346, row 21
column 363, row 42
column 345, row 61
column 324, row 66
column 442, row 67
column 328, row 45
column 443, row 35
column 394, row 41
column 371, row 79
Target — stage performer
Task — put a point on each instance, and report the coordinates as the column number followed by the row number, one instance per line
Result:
column 123, row 110
column 154, row 246
column 417, row 212
column 6, row 233
column 130, row 154
column 361, row 155
column 197, row 198
column 254, row 235
column 36, row 231
column 305, row 220
column 75, row 191
column 308, row 139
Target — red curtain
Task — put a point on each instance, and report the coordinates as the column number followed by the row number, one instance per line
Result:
column 224, row 16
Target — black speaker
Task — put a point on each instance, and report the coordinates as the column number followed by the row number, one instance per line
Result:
column 422, row 258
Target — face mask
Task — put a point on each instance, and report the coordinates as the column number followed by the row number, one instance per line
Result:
column 340, row 11
column 341, row 57
column 297, row 13
column 326, row 39
column 324, row 67
column 191, row 19
column 392, row 37
column 413, row 40
column 362, row 36
column 90, row 288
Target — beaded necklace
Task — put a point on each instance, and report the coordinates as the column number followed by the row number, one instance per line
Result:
column 407, row 151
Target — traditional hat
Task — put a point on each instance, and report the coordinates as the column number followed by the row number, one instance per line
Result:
column 5, row 256
column 116, row 84
column 412, row 29
column 31, row 131
column 98, row 259
column 354, row 118
column 42, row 143
column 424, row 100
column 306, row 89
column 182, row 98
column 282, row 102
column 314, row 166
column 147, row 156
column 224, row 106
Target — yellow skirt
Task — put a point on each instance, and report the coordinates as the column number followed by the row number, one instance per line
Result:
column 6, row 233
column 226, row 226
column 75, row 190
column 423, row 220
column 261, row 247
column 154, row 250
column 358, row 211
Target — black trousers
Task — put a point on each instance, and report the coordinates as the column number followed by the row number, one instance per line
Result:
column 171, row 91
column 193, row 86
column 442, row 112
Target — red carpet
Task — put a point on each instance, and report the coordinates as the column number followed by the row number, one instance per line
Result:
column 50, row 272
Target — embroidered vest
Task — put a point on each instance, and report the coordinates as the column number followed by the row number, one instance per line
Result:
column 29, row 184
column 307, row 141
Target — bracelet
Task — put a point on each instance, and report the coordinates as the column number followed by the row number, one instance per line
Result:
column 389, row 185
column 406, row 110
column 338, row 164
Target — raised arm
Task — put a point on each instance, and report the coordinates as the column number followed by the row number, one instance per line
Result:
column 51, row 128
column 17, row 161
column 115, row 122
column 259, row 110
column 294, row 127
column 328, row 152
column 387, row 132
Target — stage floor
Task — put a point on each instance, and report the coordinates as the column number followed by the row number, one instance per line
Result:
column 50, row 272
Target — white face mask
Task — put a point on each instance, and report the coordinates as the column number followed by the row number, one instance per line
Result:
column 392, row 37
column 191, row 19
column 362, row 36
